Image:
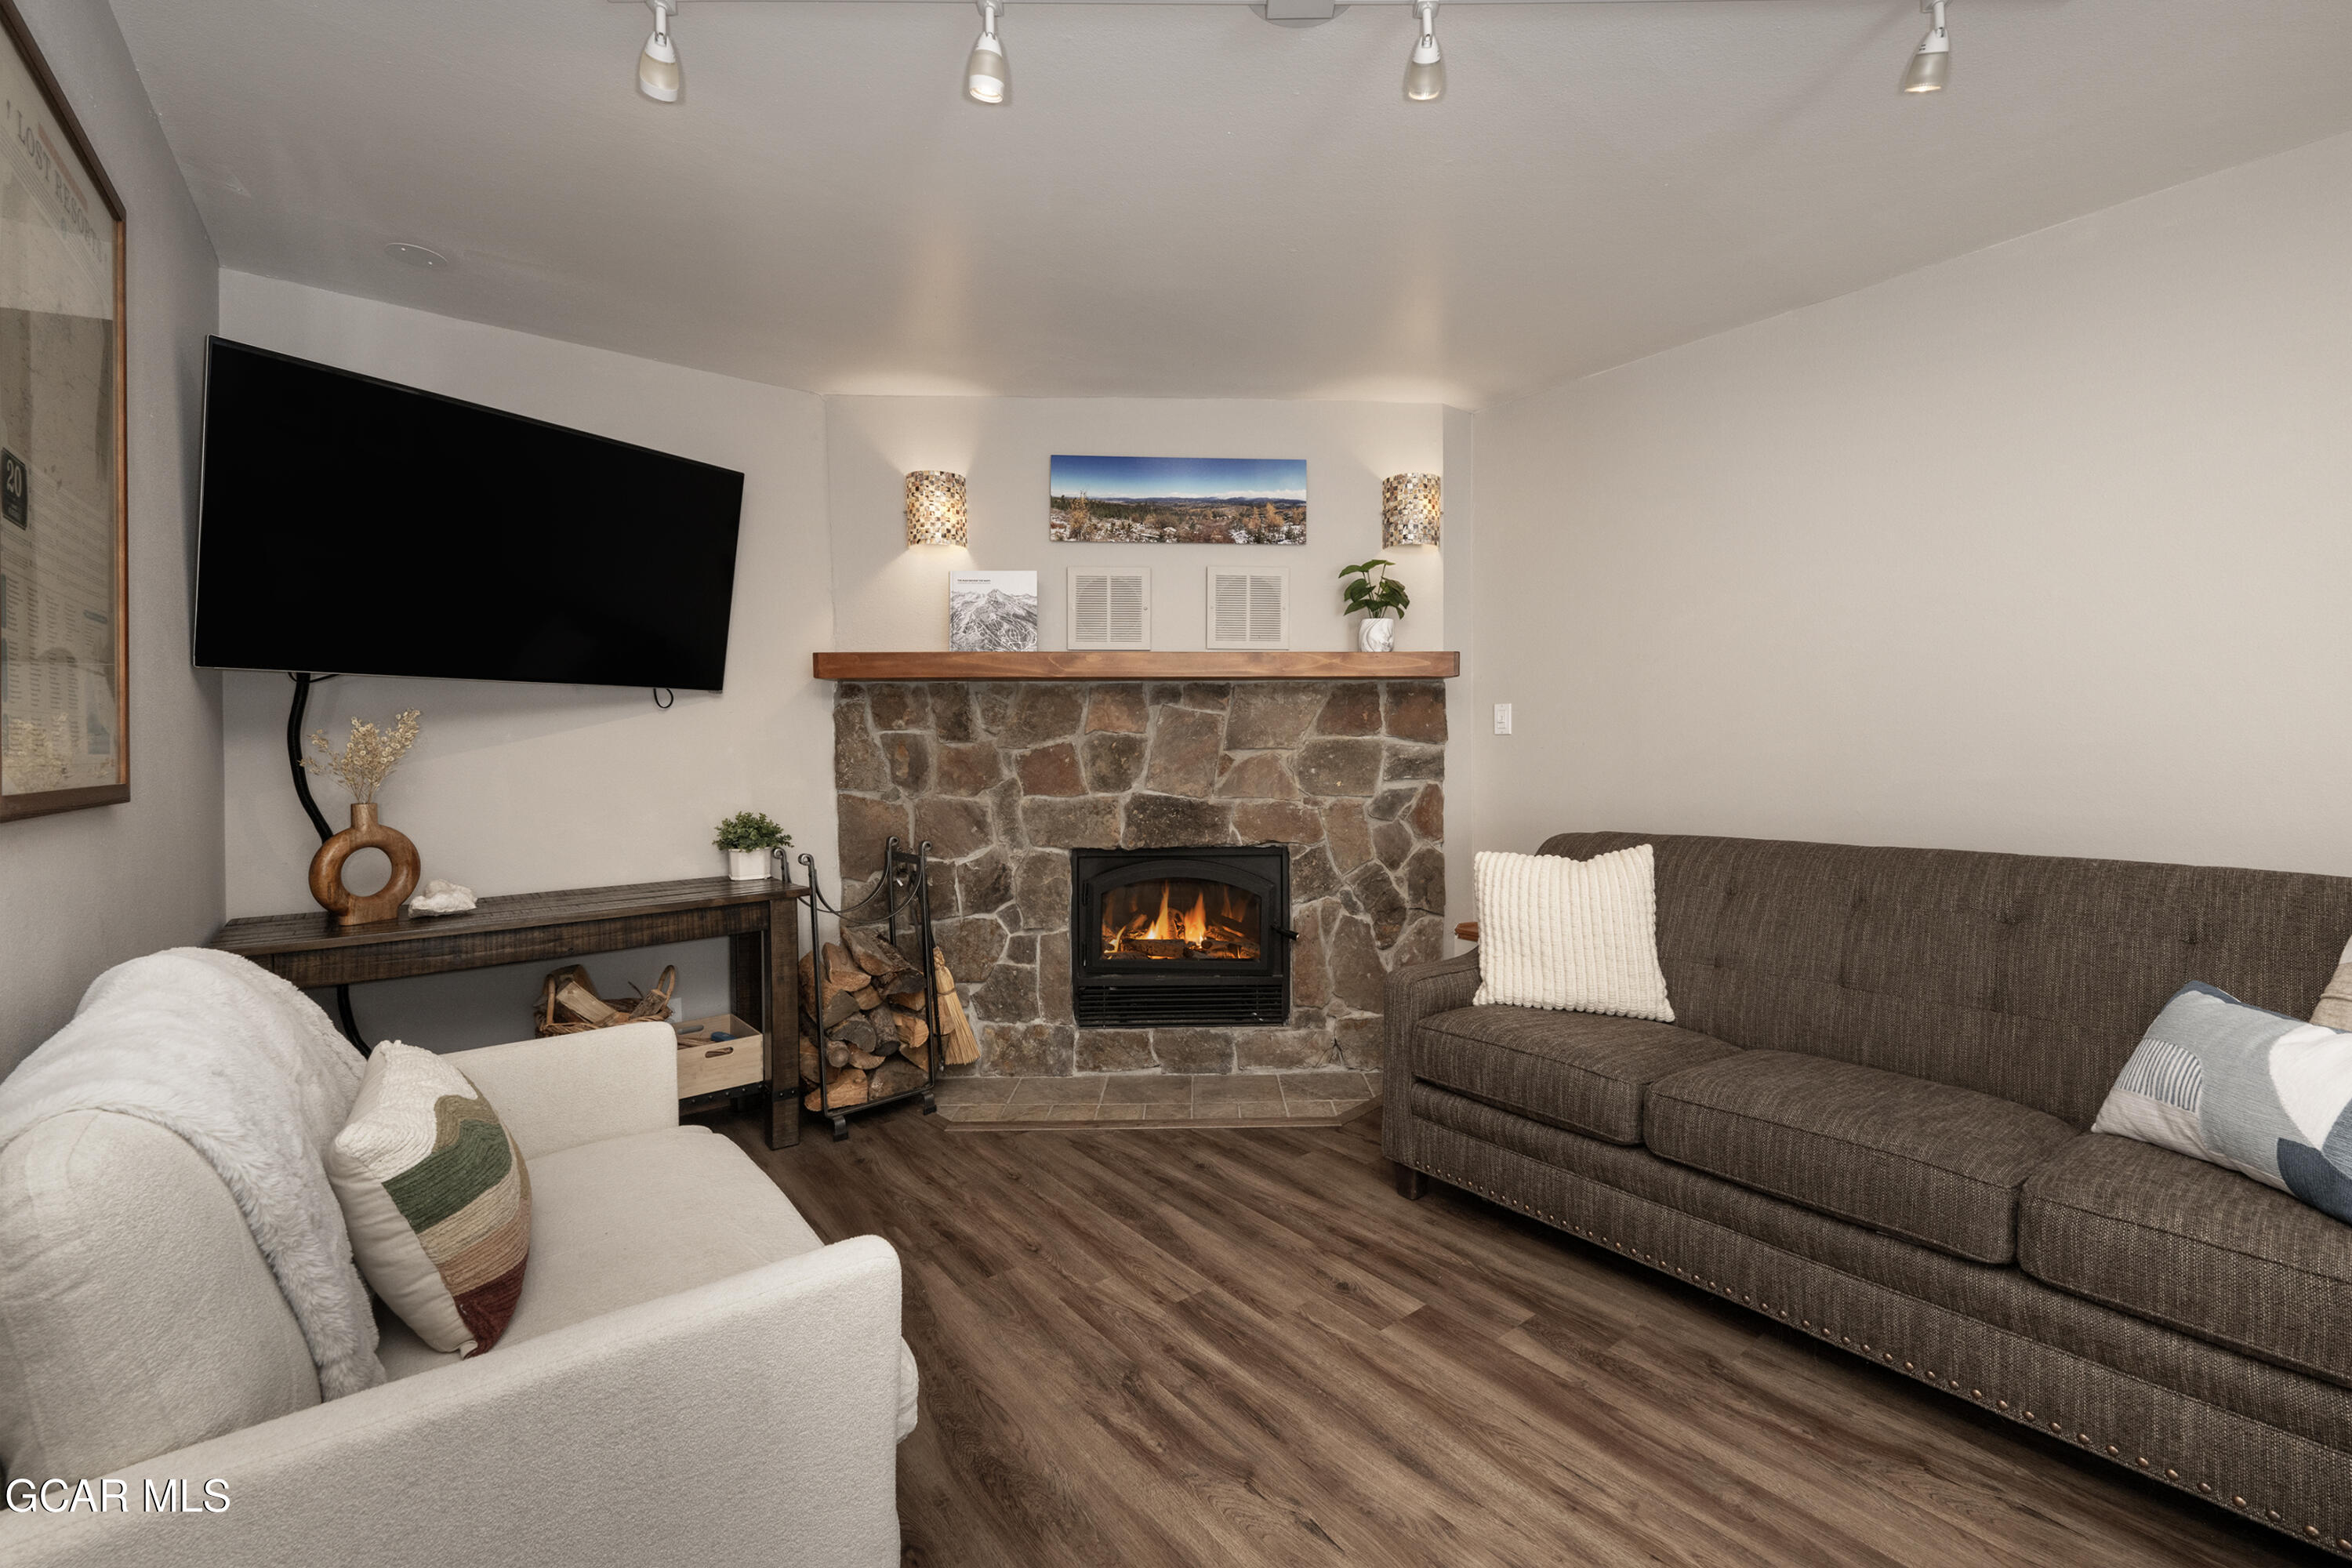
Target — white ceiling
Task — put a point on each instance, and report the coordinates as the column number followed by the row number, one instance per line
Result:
column 1182, row 200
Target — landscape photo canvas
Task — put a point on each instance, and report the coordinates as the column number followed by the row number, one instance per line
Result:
column 1177, row 500
column 992, row 612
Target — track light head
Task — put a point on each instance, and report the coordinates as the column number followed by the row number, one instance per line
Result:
column 985, row 78
column 659, row 76
column 1931, row 65
column 1425, row 72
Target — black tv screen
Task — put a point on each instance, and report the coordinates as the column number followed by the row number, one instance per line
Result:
column 354, row 526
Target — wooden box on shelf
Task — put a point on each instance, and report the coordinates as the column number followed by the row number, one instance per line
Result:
column 706, row 1066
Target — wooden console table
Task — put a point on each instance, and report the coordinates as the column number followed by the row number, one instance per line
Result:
column 760, row 921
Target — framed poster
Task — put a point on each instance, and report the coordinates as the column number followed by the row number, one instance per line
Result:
column 64, row 702
column 1176, row 500
column 992, row 612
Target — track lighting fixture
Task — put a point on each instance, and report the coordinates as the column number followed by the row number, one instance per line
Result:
column 984, row 75
column 1424, row 73
column 1931, row 65
column 987, row 79
column 659, row 76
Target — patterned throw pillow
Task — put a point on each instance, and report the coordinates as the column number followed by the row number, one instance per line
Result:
column 2246, row 1088
column 1578, row 935
column 2335, row 1008
column 437, row 1198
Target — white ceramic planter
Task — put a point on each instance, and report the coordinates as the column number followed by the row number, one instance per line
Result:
column 1376, row 634
column 751, row 865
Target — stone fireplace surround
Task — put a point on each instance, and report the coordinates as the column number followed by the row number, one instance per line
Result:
column 1004, row 778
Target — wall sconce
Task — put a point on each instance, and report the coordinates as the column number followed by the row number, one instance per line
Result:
column 934, row 507
column 1412, row 511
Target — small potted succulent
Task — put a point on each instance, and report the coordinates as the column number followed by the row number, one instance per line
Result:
column 1369, row 587
column 752, row 839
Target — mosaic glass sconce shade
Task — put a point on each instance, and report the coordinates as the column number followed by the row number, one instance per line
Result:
column 1412, row 511
column 934, row 507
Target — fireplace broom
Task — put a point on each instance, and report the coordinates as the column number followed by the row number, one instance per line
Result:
column 962, row 1045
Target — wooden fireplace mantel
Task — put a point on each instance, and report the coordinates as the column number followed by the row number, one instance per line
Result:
column 1102, row 666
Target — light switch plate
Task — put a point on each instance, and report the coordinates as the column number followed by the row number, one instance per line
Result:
column 1502, row 718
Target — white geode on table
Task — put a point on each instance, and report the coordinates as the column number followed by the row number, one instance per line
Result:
column 439, row 898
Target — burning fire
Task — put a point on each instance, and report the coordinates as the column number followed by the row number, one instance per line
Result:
column 1180, row 919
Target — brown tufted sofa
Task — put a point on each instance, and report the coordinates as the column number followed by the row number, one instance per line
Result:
column 1869, row 1121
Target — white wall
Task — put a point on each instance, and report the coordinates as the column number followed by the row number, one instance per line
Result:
column 2044, row 549
column 887, row 596
column 518, row 788
column 85, row 889
column 1463, row 752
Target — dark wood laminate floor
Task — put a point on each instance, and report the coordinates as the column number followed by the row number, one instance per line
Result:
column 1241, row 1346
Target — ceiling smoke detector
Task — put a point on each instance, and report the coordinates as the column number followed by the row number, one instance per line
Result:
column 1299, row 13
column 416, row 255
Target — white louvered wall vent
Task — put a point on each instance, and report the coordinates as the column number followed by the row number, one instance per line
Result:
column 1110, row 606
column 1248, row 609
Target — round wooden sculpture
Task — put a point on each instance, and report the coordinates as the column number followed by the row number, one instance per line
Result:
column 327, row 869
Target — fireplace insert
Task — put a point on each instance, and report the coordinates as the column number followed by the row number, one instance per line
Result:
column 1181, row 936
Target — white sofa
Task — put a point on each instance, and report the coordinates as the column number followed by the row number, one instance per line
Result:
column 690, row 1376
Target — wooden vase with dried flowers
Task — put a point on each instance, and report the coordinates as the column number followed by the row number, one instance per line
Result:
column 366, row 760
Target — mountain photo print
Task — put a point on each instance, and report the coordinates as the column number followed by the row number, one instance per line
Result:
column 1177, row 500
column 993, row 612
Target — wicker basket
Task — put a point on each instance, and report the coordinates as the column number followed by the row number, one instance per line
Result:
column 569, row 1002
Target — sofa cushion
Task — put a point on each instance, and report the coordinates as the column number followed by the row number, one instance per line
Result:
column 2193, row 1246
column 137, row 1316
column 631, row 1219
column 625, row 1221
column 1578, row 1070
column 1917, row 1160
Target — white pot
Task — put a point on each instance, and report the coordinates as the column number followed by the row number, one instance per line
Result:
column 751, row 865
column 1376, row 634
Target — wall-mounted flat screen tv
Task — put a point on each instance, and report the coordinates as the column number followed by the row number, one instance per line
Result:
column 354, row 526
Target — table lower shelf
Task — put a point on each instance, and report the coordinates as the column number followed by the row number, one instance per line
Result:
column 741, row 1094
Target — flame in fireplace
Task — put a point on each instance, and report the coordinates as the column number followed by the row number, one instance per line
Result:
column 1178, row 918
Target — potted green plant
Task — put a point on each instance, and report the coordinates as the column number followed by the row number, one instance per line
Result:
column 752, row 839
column 1370, row 589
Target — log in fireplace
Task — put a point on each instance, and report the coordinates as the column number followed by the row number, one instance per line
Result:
column 1181, row 936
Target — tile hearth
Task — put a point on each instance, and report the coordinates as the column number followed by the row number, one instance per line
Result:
column 1322, row 1098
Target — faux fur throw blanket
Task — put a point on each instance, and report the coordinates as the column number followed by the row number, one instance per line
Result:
column 255, row 1078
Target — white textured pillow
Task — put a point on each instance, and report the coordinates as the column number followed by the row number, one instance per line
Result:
column 1580, row 936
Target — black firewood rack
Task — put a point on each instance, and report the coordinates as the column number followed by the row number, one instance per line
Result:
column 902, row 896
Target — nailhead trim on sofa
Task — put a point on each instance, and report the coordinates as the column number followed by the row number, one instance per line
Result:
column 2342, row 1543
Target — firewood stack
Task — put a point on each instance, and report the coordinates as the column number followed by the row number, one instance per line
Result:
column 871, row 1040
